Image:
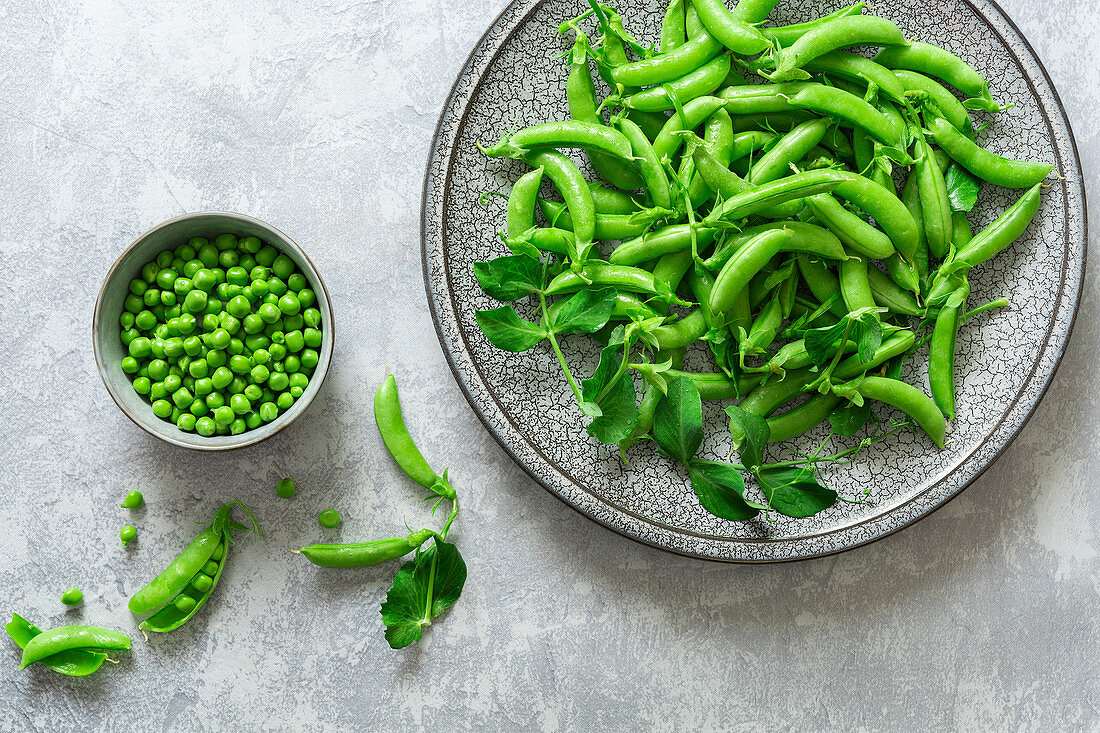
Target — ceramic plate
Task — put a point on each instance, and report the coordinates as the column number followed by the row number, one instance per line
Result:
column 1006, row 359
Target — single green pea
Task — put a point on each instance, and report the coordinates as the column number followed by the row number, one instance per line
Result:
column 237, row 386
column 138, row 286
column 127, row 534
column 198, row 407
column 299, row 380
column 129, row 364
column 210, row 323
column 286, row 488
column 192, row 346
column 330, row 518
column 133, row 304
column 224, row 415
column 229, row 259
column 253, row 392
column 205, row 426
column 181, row 287
column 133, row 500
column 256, row 341
column 283, row 266
column 239, row 364
column 260, row 356
column 139, row 348
column 236, row 346
column 129, row 335
column 269, row 313
column 221, row 292
column 278, row 381
column 145, row 320
column 221, row 377
column 149, row 272
column 277, row 352
column 296, row 392
column 178, row 263
column 284, row 401
column 289, row 304
column 175, row 414
column 312, row 337
column 182, row 397
column 293, row 323
column 157, row 391
column 151, row 297
column 276, row 286
column 266, row 255
column 127, row 320
column 307, row 297
column 164, row 258
column 191, row 268
column 291, row 364
column 173, row 347
column 240, row 404
column 186, row 251
column 142, row 385
column 167, row 298
column 238, row 306
column 166, row 277
column 196, row 301
column 189, row 382
column 309, row 358
column 198, row 368
column 208, row 255
column 186, row 323
column 259, row 374
column 72, row 597
column 158, row 369
column 162, row 408
column 253, row 323
column 215, row 358
column 214, row 400
column 230, row 323
column 247, row 294
column 269, row 411
column 218, row 339
column 260, row 289
column 251, row 244
column 171, row 328
column 143, row 370
column 295, row 341
column 311, row 316
column 247, row 261
column 184, row 603
column 296, row 281
column 267, row 396
column 226, row 242
column 202, row 582
column 213, row 306
column 253, row 420
column 204, row 280
column 203, row 386
column 221, row 429
column 237, row 427
column 237, row 275
column 186, row 422
column 210, row 568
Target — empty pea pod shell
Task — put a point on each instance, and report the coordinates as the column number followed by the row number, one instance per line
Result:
column 72, row 662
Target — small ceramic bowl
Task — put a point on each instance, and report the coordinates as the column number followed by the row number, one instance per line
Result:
column 109, row 349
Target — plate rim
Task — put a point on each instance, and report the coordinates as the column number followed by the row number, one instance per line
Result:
column 1061, row 340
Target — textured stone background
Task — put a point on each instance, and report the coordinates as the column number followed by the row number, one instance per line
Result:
column 317, row 116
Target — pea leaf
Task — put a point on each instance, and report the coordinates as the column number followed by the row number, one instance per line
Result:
column 678, row 420
column 586, row 312
column 848, row 420
column 611, row 357
column 724, row 348
column 867, row 331
column 405, row 611
column 749, row 432
column 619, row 413
column 509, row 278
column 962, row 187
column 821, row 343
column 795, row 492
column 721, row 490
column 506, row 330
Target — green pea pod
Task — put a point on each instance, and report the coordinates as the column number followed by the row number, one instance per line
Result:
column 853, row 231
column 183, row 607
column 365, row 554
column 668, row 66
column 939, row 62
column 69, row 638
column 855, row 30
column 984, row 164
column 564, row 134
column 735, row 34
column 910, row 400
column 837, row 103
column 714, row 385
column 801, row 419
column 884, row 207
column 935, row 206
column 693, row 114
column 177, row 575
column 720, row 179
column 74, row 662
column 652, row 169
column 852, row 66
column 608, row 226
column 923, row 89
column 822, row 283
column 673, row 30
column 791, row 148
column 648, row 246
column 855, row 287
column 701, row 82
column 889, row 294
column 785, row 35
column 570, row 183
column 521, row 202
column 797, row 186
column 671, row 268
column 395, row 434
column 630, row 279
column 761, row 98
column 941, row 352
column 805, row 237
column 1005, row 230
column 683, row 332
column 910, row 196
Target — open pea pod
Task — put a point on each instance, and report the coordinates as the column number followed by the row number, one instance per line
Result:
column 185, row 586
column 72, row 662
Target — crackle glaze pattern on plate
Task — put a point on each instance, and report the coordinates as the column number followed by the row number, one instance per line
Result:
column 514, row 77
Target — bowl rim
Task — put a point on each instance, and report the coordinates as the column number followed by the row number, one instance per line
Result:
column 1046, row 375
column 249, row 437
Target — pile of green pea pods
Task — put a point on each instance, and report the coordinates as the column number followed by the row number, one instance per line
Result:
column 774, row 185
column 223, row 336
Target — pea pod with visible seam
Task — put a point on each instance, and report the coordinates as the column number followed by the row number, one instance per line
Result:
column 854, row 30
column 698, row 83
column 940, row 63
column 986, row 165
column 72, row 662
column 69, row 638
column 364, row 554
column 910, row 400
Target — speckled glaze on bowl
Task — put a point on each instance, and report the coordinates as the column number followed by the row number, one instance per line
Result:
column 109, row 349
column 1005, row 359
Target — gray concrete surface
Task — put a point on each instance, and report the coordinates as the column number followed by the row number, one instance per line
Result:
column 316, row 116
